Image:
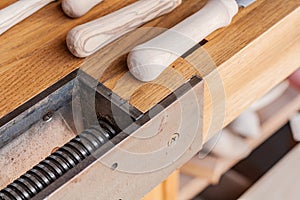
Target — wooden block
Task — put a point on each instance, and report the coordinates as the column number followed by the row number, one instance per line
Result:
column 167, row 190
column 171, row 186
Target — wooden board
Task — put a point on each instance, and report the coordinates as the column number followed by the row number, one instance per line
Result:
column 167, row 190
column 281, row 182
column 251, row 56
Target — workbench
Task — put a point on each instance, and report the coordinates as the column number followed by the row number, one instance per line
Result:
column 235, row 66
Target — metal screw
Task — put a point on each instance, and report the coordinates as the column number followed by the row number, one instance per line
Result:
column 173, row 139
column 48, row 116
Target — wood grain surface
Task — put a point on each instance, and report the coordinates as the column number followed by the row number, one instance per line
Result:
column 258, row 50
column 34, row 55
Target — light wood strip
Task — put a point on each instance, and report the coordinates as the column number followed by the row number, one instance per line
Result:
column 156, row 193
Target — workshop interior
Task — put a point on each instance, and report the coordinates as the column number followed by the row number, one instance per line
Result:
column 149, row 99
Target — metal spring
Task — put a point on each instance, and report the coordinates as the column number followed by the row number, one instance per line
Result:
column 58, row 163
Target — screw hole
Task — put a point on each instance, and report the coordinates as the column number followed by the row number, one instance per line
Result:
column 48, row 116
column 114, row 166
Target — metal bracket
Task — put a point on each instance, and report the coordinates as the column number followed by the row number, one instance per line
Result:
column 112, row 132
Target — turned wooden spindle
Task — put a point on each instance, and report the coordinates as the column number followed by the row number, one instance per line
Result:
column 295, row 126
column 78, row 8
column 19, row 11
column 147, row 61
column 88, row 38
column 229, row 145
column 247, row 124
column 271, row 96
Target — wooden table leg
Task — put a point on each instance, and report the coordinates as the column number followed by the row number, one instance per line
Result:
column 167, row 190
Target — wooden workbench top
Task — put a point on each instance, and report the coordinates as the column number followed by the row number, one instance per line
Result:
column 257, row 51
